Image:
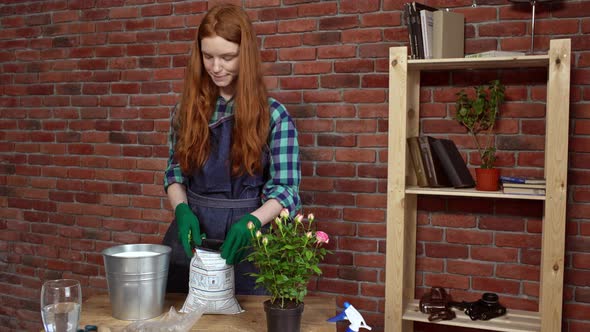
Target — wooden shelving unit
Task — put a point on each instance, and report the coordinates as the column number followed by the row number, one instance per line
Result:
column 404, row 106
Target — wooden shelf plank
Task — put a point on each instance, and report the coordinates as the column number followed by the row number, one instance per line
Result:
column 527, row 61
column 470, row 192
column 513, row 321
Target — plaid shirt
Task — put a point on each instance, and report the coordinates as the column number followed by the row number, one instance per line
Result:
column 285, row 169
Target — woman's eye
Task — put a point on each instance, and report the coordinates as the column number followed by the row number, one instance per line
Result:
column 228, row 58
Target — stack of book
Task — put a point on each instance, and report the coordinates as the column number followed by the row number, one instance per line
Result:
column 434, row 33
column 522, row 185
column 438, row 163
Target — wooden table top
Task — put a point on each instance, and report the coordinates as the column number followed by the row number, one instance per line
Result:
column 97, row 311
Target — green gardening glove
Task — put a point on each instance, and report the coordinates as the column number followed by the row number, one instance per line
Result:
column 237, row 238
column 188, row 228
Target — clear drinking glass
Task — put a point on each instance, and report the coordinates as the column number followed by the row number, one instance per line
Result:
column 61, row 301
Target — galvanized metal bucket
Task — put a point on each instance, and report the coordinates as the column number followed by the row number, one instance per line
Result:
column 136, row 276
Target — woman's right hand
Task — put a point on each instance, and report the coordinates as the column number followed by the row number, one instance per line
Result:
column 188, row 228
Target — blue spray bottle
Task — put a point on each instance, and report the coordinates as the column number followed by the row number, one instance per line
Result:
column 353, row 316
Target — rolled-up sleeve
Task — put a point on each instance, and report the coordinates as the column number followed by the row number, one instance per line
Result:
column 285, row 166
column 173, row 172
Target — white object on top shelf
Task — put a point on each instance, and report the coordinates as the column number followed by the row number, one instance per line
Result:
column 494, row 54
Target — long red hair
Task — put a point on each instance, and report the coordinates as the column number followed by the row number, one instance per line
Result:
column 251, row 109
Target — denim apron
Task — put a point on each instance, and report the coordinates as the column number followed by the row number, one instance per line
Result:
column 218, row 200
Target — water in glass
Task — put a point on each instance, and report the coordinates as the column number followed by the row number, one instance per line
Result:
column 61, row 302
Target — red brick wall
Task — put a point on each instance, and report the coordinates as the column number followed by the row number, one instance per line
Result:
column 85, row 97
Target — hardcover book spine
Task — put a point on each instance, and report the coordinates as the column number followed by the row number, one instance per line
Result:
column 453, row 164
column 524, row 191
column 436, row 175
column 417, row 162
column 418, row 31
column 426, row 20
column 427, row 160
column 408, row 18
column 415, row 31
column 416, row 8
column 512, row 179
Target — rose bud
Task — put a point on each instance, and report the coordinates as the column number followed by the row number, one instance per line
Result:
column 298, row 218
column 284, row 213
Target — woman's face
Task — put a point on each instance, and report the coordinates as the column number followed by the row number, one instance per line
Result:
column 221, row 60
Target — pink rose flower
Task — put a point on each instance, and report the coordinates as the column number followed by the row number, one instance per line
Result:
column 322, row 237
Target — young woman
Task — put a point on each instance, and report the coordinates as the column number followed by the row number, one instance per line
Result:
column 234, row 154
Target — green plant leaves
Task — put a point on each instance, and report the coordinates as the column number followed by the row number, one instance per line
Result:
column 478, row 115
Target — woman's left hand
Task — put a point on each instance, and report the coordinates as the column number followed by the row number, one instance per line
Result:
column 237, row 238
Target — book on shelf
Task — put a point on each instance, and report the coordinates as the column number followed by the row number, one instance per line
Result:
column 434, row 171
column 417, row 163
column 448, row 37
column 434, row 33
column 491, row 54
column 426, row 25
column 521, row 179
column 408, row 19
column 452, row 162
column 523, row 185
column 416, row 8
column 413, row 19
column 523, row 191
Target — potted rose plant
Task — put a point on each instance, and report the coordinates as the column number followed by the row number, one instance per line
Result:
column 478, row 115
column 287, row 255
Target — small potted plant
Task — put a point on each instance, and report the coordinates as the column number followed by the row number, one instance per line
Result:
column 287, row 254
column 479, row 115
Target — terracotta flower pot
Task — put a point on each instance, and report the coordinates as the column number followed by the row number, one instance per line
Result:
column 487, row 179
column 283, row 319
